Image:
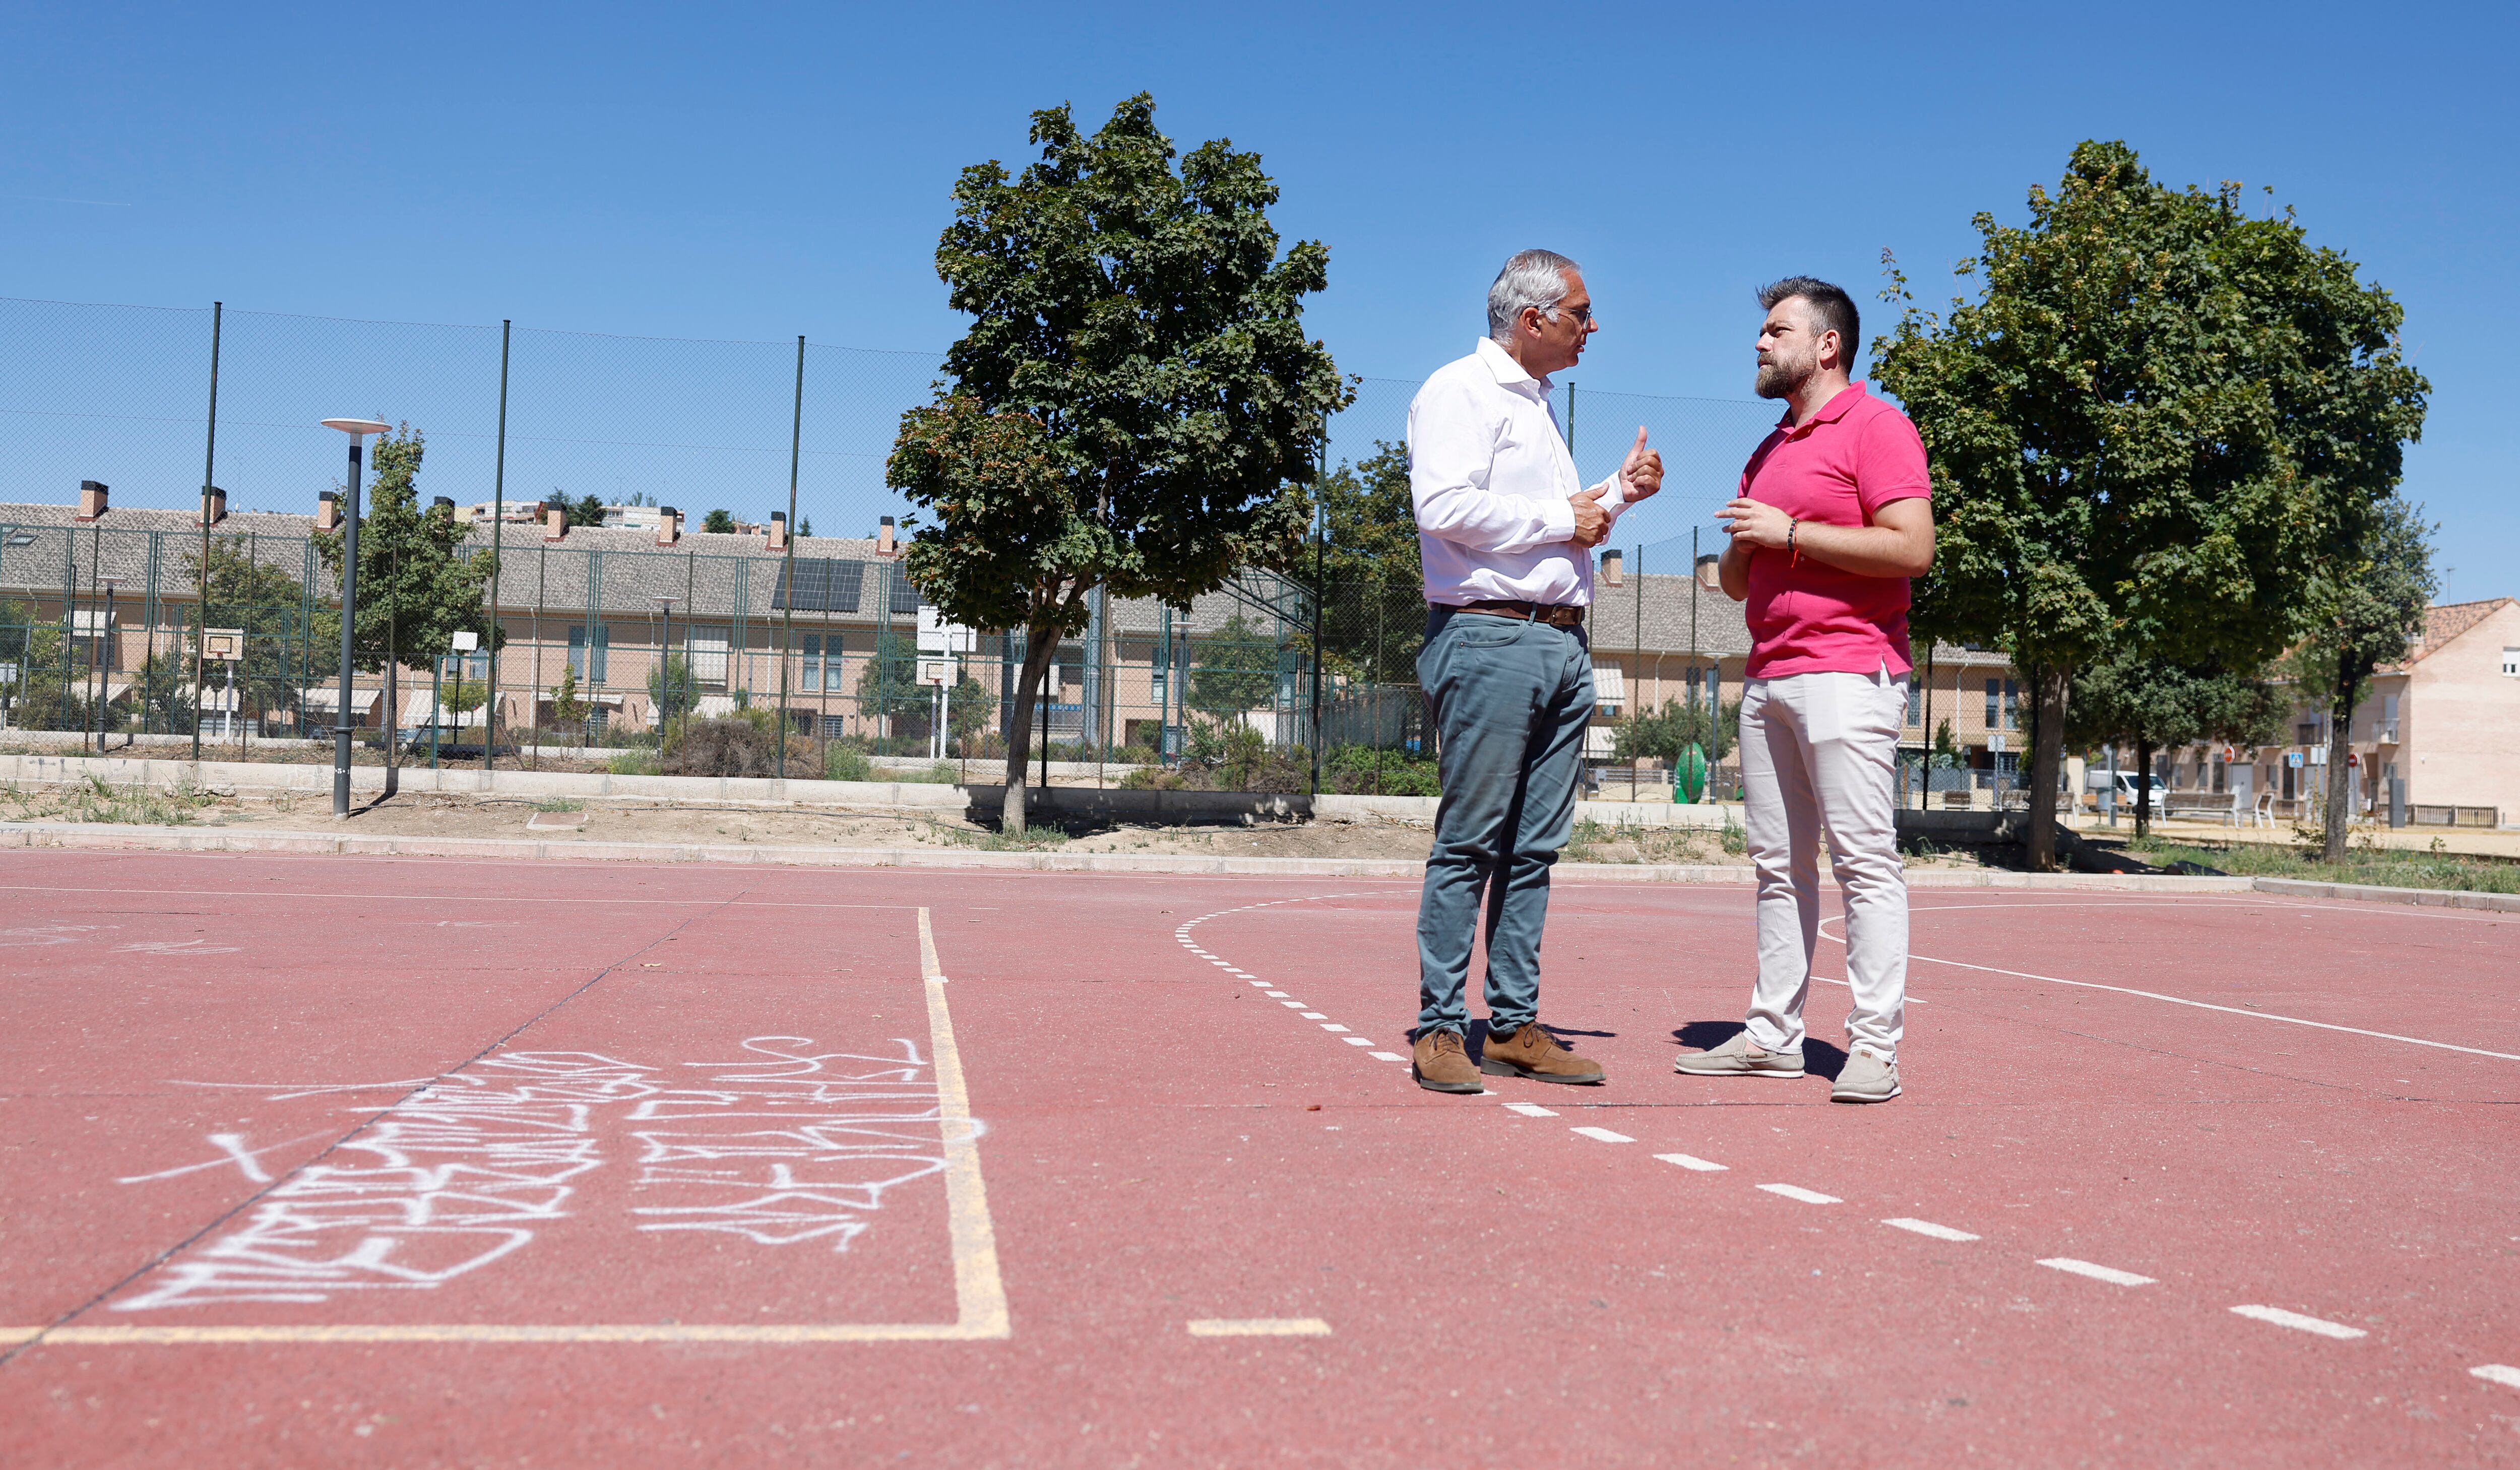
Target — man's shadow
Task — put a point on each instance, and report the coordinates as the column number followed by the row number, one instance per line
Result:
column 1820, row 1058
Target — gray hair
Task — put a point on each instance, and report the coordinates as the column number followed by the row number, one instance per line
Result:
column 1530, row 279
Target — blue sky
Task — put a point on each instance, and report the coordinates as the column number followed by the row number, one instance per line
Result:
column 750, row 173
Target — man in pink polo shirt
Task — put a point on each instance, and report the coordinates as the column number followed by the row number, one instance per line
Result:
column 1834, row 516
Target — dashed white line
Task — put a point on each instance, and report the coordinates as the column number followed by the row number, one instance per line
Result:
column 2301, row 1323
column 1386, row 1057
column 1331, row 1025
column 1358, row 1041
column 2108, row 1273
column 1807, row 1196
column 1315, row 1015
column 2494, row 1372
column 1603, row 1135
column 1260, row 1326
column 1293, row 1004
column 1530, row 1111
column 1928, row 1227
column 1693, row 1162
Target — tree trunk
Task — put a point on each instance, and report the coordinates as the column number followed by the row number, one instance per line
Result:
column 2142, row 787
column 2046, row 758
column 1041, row 646
column 2340, row 774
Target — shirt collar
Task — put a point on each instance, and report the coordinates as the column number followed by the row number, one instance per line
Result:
column 1838, row 407
column 1508, row 373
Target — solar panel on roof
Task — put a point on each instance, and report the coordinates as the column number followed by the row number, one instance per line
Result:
column 905, row 597
column 823, row 584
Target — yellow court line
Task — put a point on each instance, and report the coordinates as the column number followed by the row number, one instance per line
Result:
column 979, row 1292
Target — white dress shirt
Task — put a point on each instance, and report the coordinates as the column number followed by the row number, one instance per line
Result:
column 1491, row 478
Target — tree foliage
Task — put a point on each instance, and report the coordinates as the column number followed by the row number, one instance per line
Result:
column 2154, row 704
column 719, row 523
column 1235, row 669
column 1373, row 590
column 2370, row 607
column 283, row 643
column 1666, row 733
column 1132, row 395
column 2157, row 423
column 417, row 586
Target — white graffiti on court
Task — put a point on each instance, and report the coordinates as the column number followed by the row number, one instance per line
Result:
column 784, row 1145
column 789, row 1144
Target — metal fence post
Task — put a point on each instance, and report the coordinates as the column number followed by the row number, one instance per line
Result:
column 786, row 633
column 209, row 473
column 497, row 554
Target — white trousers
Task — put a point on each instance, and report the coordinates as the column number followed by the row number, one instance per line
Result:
column 1817, row 752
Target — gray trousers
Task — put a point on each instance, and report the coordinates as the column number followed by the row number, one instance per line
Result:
column 1509, row 699
column 1817, row 758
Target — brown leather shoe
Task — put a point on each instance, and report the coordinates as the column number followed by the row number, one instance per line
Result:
column 1534, row 1054
column 1441, row 1065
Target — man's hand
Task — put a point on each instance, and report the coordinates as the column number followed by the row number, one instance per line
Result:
column 1641, row 472
column 1592, row 523
column 1755, row 523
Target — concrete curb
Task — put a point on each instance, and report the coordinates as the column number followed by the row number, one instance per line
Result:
column 115, row 836
column 2373, row 893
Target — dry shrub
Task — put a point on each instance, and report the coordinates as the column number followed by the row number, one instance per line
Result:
column 734, row 746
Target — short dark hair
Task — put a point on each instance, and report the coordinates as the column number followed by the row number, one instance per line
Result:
column 1831, row 307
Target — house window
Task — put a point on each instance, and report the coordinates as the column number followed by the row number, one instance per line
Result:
column 2003, row 704
column 587, row 648
column 2511, row 663
column 709, row 658
column 813, row 660
column 1916, row 702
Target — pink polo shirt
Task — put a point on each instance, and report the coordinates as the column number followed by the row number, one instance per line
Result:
column 1856, row 455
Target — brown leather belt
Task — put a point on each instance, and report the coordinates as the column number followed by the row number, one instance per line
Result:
column 1551, row 613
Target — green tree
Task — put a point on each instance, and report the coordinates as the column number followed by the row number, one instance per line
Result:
column 566, row 707
column 1665, row 732
column 888, row 685
column 2131, row 699
column 673, row 689
column 285, row 640
column 719, row 523
column 418, row 588
column 36, row 698
column 2158, row 418
column 1234, row 669
column 585, row 510
column 2371, row 605
column 1132, row 398
column 1374, row 591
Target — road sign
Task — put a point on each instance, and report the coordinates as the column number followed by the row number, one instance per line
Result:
column 226, row 645
column 2293, row 758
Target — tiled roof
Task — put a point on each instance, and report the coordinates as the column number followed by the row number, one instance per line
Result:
column 2448, row 620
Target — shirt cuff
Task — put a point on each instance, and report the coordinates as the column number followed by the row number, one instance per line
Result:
column 1614, row 496
column 1560, row 517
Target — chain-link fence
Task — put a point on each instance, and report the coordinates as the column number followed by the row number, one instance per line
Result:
column 614, row 631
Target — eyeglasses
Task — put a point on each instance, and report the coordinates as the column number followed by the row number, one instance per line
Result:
column 1582, row 315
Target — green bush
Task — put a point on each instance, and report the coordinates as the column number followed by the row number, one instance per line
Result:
column 847, row 763
column 1364, row 771
column 633, row 763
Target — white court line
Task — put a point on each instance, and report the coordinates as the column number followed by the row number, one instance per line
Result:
column 1331, row 1025
column 2301, row 1323
column 1530, row 1111
column 1259, row 1327
column 1358, row 1041
column 1928, row 1227
column 2237, row 1010
column 1315, row 1015
column 1691, row 1162
column 2494, row 1372
column 2108, row 1273
column 1603, row 1135
column 444, row 898
column 1807, row 1196
column 1293, row 1004
column 1386, row 1057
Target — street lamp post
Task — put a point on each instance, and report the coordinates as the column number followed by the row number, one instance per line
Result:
column 357, row 430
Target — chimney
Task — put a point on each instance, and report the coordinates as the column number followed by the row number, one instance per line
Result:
column 91, row 499
column 214, row 506
column 555, row 522
column 884, row 537
column 778, row 533
column 442, row 507
column 1615, row 569
column 670, row 525
column 328, row 510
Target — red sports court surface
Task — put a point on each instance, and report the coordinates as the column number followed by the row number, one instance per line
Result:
column 363, row 1161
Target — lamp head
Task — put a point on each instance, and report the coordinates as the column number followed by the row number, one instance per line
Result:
column 357, row 425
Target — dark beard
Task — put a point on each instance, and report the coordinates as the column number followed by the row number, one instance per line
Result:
column 1781, row 380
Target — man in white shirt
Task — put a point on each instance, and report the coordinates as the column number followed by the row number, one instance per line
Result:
column 1505, row 536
